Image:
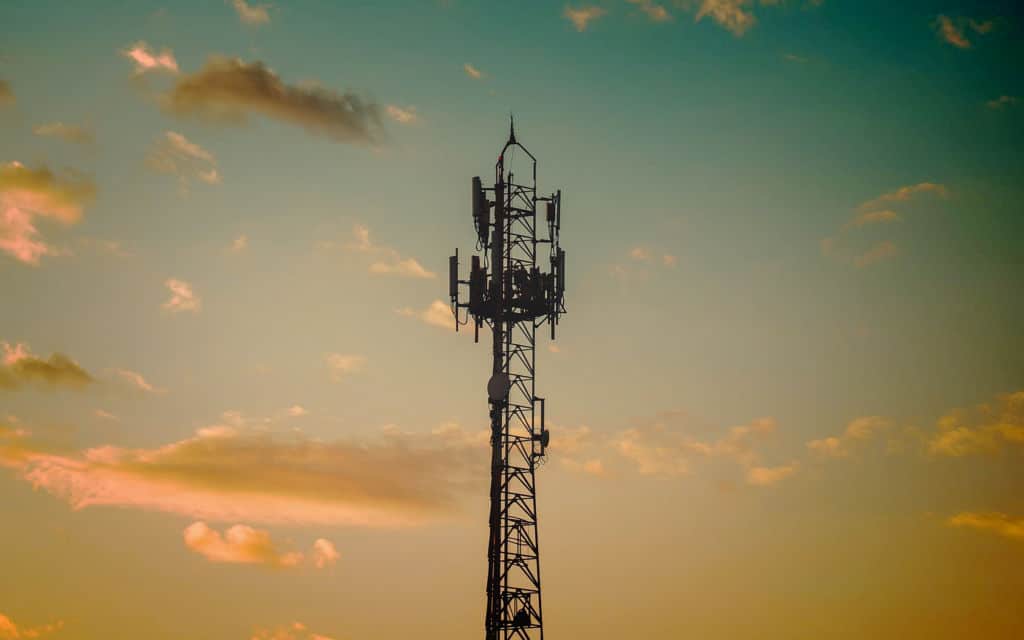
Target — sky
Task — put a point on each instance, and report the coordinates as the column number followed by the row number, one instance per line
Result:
column 786, row 401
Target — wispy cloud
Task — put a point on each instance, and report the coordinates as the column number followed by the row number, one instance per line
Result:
column 403, row 115
column 473, row 72
column 239, row 244
column 438, row 314
column 873, row 212
column 174, row 154
column 12, row 631
column 857, row 432
column 147, row 60
column 21, row 367
column 240, row 544
column 251, row 14
column 1003, row 102
column 738, row 16
column 182, row 297
column 293, row 631
column 582, row 16
column 989, row 428
column 386, row 260
column 992, row 522
column 654, row 11
column 135, row 380
column 6, row 94
column 729, row 14
column 904, row 194
column 343, row 365
column 665, row 447
column 956, row 31
column 231, row 90
column 770, row 476
column 67, row 132
column 648, row 255
column 29, row 194
column 879, row 252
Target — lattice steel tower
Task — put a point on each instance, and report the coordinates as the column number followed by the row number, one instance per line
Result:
column 509, row 292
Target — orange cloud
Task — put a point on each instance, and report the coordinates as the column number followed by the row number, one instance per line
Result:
column 583, row 16
column 20, row 367
column 729, row 14
column 234, row 474
column 1002, row 102
column 251, row 14
column 11, row 631
column 874, row 212
column 293, row 631
column 182, row 297
column 402, row 115
column 6, row 94
column 27, row 194
column 66, row 132
column 664, row 446
column 136, row 381
column 654, row 11
column 344, row 365
column 438, row 314
column 858, row 430
column 230, row 90
column 240, row 544
column 174, row 154
column 997, row 523
column 990, row 428
column 903, row 194
column 770, row 476
column 146, row 60
column 386, row 260
column 324, row 553
column 954, row 31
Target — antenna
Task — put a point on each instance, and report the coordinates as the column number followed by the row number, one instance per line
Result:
column 510, row 294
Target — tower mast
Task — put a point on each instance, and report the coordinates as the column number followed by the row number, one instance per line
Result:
column 511, row 295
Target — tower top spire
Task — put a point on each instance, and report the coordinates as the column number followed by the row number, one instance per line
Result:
column 511, row 129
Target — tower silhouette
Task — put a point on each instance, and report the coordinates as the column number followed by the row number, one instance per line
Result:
column 510, row 293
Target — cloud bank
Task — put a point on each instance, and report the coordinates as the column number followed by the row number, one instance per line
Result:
column 232, row 474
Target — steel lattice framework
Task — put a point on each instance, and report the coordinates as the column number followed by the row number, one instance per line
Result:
column 509, row 293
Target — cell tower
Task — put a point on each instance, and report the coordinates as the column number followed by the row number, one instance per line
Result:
column 509, row 293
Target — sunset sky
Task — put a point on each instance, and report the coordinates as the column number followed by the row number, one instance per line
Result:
column 786, row 402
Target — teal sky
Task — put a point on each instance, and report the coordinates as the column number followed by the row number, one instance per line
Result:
column 720, row 267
